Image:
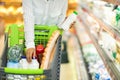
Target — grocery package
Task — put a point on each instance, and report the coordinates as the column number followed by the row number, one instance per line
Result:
column 11, row 64
column 116, row 54
column 108, row 44
column 117, row 19
column 15, row 53
column 95, row 65
column 39, row 52
column 25, row 65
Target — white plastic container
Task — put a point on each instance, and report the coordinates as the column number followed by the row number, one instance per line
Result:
column 25, row 65
column 34, row 64
column 13, row 64
column 70, row 19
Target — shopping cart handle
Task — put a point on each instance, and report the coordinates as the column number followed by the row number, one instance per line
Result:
column 23, row 71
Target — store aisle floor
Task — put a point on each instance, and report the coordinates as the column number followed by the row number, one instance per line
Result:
column 68, row 70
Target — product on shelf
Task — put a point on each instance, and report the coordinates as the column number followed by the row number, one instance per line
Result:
column 108, row 44
column 117, row 18
column 108, row 15
column 111, row 47
column 94, row 26
column 116, row 54
column 107, row 18
column 95, row 64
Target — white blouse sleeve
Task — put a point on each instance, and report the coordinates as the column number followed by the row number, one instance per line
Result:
column 28, row 23
column 63, row 13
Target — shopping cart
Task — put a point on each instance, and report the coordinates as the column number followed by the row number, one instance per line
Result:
column 15, row 35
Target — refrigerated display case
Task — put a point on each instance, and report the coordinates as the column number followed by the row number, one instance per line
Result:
column 104, row 36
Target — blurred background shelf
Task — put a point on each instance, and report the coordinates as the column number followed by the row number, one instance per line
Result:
column 116, row 2
column 11, row 1
column 111, row 68
column 75, row 69
column 108, row 28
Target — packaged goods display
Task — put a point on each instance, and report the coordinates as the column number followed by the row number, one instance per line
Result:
column 95, row 63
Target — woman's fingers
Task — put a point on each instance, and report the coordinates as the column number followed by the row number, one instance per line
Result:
column 29, row 54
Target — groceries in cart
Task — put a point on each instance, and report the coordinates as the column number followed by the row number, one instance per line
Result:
column 39, row 52
column 17, row 59
column 17, row 66
column 14, row 53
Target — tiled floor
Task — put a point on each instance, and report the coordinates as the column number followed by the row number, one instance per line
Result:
column 68, row 71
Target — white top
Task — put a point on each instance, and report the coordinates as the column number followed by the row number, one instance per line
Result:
column 42, row 12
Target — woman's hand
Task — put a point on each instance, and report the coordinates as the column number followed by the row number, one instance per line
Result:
column 30, row 52
column 71, row 29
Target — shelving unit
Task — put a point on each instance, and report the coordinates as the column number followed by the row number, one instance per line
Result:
column 78, row 59
column 113, row 71
column 108, row 28
column 117, row 2
column 109, row 64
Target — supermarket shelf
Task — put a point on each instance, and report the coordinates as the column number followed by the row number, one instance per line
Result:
column 81, row 64
column 78, row 59
column 108, row 28
column 117, row 2
column 75, row 69
column 109, row 64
